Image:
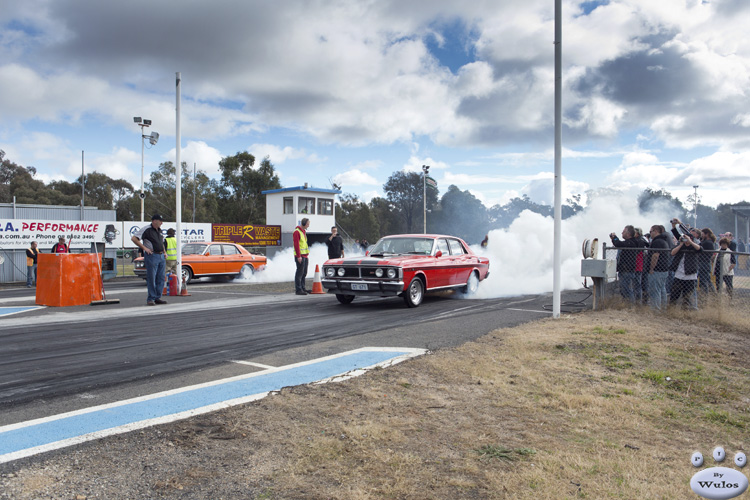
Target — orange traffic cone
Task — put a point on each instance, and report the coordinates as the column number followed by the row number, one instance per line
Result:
column 317, row 284
column 184, row 292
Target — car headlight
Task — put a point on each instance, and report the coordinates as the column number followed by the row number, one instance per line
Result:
column 391, row 273
column 330, row 272
column 378, row 273
column 341, row 271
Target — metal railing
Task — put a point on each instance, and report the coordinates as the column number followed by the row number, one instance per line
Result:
column 718, row 280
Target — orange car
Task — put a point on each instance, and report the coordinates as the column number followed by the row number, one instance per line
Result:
column 214, row 258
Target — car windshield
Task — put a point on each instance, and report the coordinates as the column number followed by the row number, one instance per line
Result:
column 193, row 249
column 415, row 246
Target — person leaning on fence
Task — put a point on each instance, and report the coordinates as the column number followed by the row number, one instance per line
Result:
column 725, row 264
column 630, row 283
column 704, row 261
column 31, row 255
column 685, row 267
column 658, row 266
column 641, row 266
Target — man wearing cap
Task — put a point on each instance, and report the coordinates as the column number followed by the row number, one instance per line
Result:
column 150, row 240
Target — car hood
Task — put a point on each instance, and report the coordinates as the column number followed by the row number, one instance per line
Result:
column 389, row 260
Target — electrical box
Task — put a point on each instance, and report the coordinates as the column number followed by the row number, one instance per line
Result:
column 599, row 268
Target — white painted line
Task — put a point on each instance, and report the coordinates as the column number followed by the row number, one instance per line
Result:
column 529, row 310
column 250, row 363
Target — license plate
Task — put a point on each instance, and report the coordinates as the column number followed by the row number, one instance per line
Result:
column 357, row 286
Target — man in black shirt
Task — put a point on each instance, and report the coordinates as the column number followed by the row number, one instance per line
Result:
column 151, row 241
column 335, row 244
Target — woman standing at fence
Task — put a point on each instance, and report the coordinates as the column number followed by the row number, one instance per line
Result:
column 724, row 269
column 685, row 267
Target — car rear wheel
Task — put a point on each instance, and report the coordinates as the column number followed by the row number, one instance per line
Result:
column 472, row 284
column 345, row 299
column 187, row 274
column 246, row 272
column 414, row 293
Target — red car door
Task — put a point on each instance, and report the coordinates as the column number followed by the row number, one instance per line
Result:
column 462, row 264
column 442, row 271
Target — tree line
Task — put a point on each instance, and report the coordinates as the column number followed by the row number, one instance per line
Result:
column 235, row 198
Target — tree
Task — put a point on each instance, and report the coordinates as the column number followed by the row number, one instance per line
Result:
column 503, row 216
column 356, row 219
column 241, row 187
column 161, row 196
column 460, row 214
column 404, row 191
column 650, row 200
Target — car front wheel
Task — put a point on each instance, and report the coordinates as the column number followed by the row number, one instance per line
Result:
column 414, row 293
column 345, row 299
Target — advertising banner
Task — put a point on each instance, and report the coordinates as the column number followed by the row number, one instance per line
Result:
column 19, row 233
column 191, row 232
column 247, row 235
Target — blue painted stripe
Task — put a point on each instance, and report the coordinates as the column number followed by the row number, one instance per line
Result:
column 6, row 311
column 49, row 432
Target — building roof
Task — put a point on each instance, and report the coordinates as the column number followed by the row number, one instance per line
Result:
column 302, row 188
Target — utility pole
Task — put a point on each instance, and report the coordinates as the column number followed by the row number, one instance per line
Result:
column 194, row 193
column 695, row 207
column 425, row 171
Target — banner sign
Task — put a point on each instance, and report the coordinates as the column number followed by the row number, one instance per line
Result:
column 19, row 233
column 247, row 235
column 191, row 232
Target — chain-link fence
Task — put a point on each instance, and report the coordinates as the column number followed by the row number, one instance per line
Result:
column 711, row 281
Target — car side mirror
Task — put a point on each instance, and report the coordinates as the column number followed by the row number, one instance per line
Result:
column 439, row 253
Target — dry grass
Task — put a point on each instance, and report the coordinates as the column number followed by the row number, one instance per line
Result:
column 597, row 405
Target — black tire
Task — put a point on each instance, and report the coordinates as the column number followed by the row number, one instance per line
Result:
column 345, row 299
column 246, row 272
column 187, row 274
column 414, row 294
column 472, row 285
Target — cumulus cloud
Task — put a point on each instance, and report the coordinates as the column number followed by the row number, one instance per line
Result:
column 354, row 177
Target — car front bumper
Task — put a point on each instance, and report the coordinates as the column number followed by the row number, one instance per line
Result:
column 354, row 287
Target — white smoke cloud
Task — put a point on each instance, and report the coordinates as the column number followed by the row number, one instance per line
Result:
column 521, row 256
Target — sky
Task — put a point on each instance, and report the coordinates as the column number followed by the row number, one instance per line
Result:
column 351, row 91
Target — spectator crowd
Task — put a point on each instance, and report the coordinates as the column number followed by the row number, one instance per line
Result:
column 683, row 266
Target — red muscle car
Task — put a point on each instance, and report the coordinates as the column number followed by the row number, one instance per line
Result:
column 406, row 265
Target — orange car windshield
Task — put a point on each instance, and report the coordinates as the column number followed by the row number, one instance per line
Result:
column 193, row 249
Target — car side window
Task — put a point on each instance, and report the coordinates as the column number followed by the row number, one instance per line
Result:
column 214, row 250
column 230, row 249
column 456, row 248
column 442, row 245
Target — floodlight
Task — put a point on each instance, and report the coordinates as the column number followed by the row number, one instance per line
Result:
column 147, row 122
column 154, row 138
column 137, row 119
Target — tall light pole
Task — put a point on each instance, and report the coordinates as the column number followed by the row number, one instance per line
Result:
column 425, row 171
column 695, row 207
column 153, row 138
column 194, row 192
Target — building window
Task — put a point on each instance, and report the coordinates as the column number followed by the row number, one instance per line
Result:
column 306, row 205
column 325, row 207
column 288, row 205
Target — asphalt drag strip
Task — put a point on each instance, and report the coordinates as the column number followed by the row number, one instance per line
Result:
column 29, row 438
column 8, row 311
